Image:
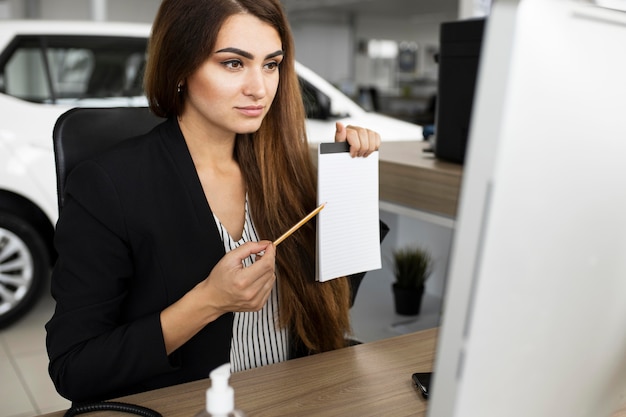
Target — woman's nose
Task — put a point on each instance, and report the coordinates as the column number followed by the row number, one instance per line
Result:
column 255, row 84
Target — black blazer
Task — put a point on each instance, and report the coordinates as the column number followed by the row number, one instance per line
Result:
column 135, row 234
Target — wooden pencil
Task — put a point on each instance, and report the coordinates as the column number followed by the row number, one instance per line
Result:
column 299, row 224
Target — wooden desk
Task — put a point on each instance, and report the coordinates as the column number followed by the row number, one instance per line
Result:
column 372, row 379
column 411, row 178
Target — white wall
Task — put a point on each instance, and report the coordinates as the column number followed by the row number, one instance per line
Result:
column 116, row 10
column 65, row 9
column 326, row 48
column 133, row 11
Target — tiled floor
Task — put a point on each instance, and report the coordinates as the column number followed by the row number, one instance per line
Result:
column 26, row 389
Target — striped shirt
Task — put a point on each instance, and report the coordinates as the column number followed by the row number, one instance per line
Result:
column 257, row 340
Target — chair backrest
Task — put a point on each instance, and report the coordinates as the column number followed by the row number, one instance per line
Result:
column 83, row 132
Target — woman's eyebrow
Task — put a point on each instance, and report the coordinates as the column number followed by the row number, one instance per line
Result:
column 280, row 52
column 248, row 55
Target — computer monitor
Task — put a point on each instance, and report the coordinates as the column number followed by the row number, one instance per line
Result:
column 459, row 53
column 534, row 312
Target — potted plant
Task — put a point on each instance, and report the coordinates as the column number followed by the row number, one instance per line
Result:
column 411, row 267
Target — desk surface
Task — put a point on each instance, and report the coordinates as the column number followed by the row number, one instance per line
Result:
column 415, row 179
column 372, row 379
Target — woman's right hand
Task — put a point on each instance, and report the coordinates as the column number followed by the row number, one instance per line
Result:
column 229, row 287
column 233, row 287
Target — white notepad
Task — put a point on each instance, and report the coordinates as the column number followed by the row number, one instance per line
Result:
column 348, row 228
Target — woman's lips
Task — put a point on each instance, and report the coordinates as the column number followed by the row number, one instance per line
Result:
column 251, row 111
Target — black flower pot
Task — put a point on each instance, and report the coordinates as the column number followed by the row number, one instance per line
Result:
column 408, row 301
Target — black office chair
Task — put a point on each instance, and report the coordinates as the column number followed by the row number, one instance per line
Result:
column 82, row 132
column 78, row 134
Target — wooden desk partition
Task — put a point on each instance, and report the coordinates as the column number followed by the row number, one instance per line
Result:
column 415, row 179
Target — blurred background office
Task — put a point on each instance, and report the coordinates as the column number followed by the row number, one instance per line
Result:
column 380, row 52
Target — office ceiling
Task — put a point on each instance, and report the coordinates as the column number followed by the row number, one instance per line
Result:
column 413, row 9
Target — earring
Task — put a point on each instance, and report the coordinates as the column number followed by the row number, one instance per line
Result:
column 179, row 88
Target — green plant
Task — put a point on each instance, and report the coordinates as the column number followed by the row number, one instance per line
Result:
column 411, row 266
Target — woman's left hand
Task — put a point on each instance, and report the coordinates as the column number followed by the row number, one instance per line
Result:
column 362, row 141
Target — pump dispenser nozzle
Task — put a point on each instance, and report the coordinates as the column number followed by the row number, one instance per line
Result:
column 220, row 398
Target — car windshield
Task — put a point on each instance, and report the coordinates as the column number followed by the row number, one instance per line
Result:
column 65, row 69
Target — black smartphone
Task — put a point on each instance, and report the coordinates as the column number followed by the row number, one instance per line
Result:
column 422, row 382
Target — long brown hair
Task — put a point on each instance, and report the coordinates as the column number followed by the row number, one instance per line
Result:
column 275, row 160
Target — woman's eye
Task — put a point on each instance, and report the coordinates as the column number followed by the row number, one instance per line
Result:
column 271, row 65
column 233, row 64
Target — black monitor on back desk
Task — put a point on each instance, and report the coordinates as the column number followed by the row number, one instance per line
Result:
column 460, row 45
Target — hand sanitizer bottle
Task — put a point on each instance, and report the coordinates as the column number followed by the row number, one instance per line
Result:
column 220, row 398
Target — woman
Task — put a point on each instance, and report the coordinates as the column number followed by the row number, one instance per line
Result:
column 160, row 276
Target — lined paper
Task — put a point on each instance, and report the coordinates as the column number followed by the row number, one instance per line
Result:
column 348, row 231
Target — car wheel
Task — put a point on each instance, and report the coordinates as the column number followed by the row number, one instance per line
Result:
column 24, row 267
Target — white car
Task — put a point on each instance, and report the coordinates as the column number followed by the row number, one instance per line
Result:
column 46, row 68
